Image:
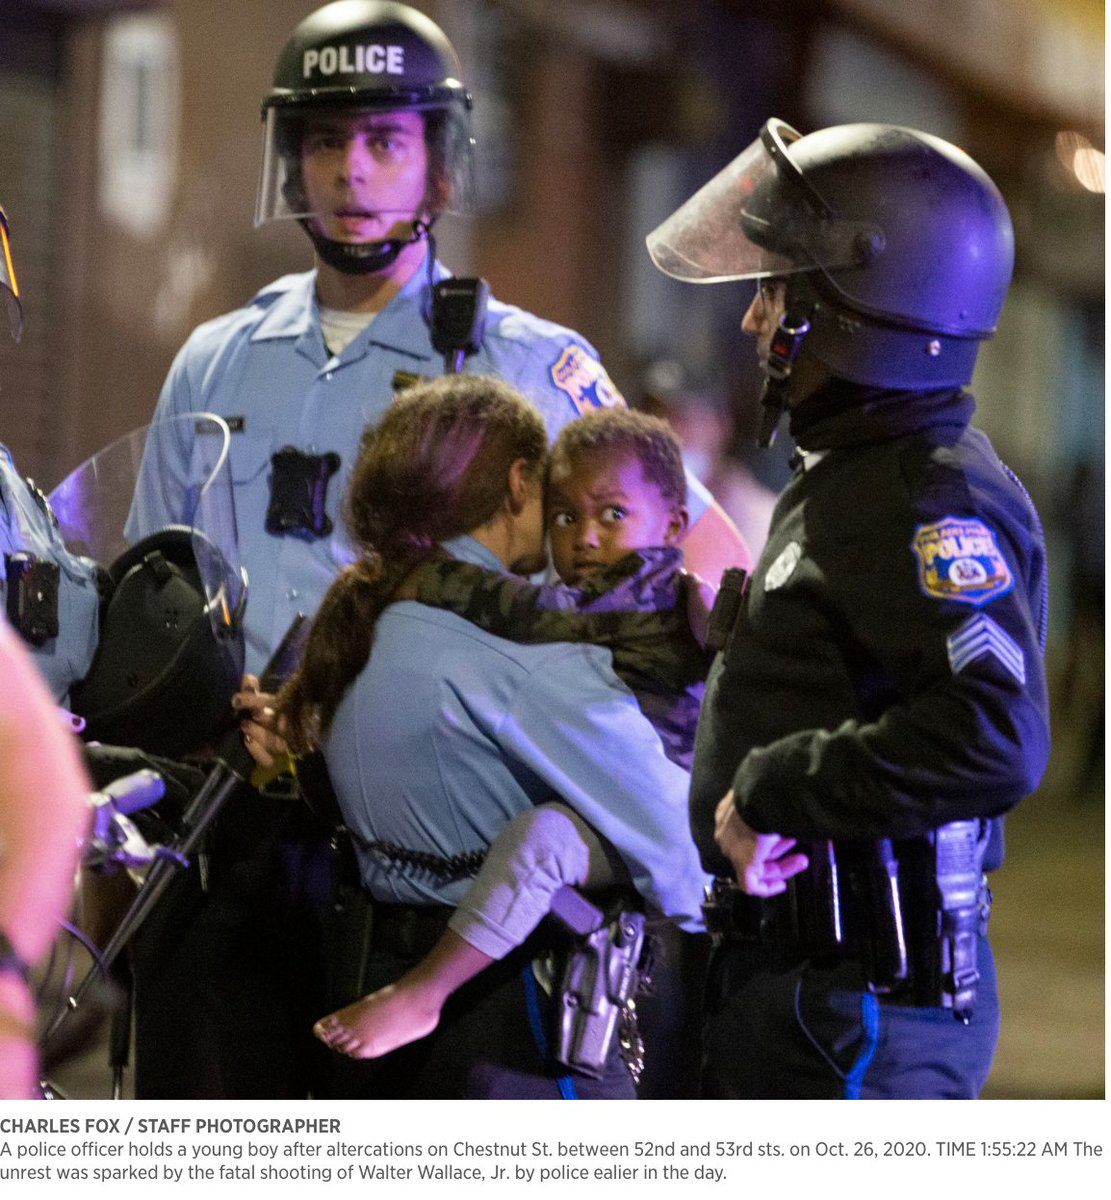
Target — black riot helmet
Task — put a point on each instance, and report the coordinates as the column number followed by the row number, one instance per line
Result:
column 9, row 287
column 158, row 505
column 359, row 56
column 896, row 248
column 164, row 671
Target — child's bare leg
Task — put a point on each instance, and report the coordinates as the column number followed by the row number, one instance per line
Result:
column 537, row 853
column 406, row 1010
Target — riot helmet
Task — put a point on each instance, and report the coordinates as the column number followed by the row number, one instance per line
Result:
column 9, row 287
column 895, row 247
column 158, row 505
column 162, row 679
column 356, row 57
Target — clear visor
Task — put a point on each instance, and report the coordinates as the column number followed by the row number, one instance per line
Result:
column 753, row 219
column 449, row 182
column 9, row 289
column 171, row 473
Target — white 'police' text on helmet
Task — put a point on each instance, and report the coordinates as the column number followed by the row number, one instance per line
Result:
column 366, row 55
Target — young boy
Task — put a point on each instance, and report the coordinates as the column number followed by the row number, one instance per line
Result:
column 616, row 507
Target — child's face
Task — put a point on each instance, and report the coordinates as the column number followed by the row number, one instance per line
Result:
column 599, row 509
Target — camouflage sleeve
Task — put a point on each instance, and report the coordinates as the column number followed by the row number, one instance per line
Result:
column 636, row 609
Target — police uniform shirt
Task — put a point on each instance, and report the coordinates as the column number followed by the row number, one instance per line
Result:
column 885, row 675
column 265, row 369
column 26, row 526
column 449, row 732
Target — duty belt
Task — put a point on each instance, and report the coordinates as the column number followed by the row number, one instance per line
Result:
column 910, row 912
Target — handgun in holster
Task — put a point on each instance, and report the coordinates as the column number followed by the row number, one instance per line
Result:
column 601, row 966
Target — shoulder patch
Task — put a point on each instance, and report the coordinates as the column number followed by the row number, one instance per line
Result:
column 584, row 380
column 959, row 559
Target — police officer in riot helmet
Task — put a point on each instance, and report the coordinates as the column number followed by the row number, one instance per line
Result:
column 116, row 643
column 50, row 596
column 43, row 809
column 879, row 701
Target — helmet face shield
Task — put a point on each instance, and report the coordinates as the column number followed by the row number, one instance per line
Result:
column 355, row 60
column 287, row 133
column 9, row 288
column 126, row 491
column 757, row 217
column 901, row 244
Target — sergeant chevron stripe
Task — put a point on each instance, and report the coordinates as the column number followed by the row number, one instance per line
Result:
column 981, row 635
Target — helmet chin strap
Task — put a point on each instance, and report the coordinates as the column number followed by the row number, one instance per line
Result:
column 785, row 345
column 363, row 258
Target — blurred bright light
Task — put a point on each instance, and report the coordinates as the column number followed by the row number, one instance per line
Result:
column 1078, row 156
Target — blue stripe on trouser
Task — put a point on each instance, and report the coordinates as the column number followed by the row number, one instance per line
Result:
column 532, row 999
column 870, row 1018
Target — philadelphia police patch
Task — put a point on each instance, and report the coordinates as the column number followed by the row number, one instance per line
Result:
column 585, row 381
column 959, row 559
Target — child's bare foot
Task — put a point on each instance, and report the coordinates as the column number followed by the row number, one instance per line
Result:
column 391, row 1017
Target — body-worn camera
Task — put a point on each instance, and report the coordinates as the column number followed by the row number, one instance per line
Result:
column 32, row 585
column 298, row 492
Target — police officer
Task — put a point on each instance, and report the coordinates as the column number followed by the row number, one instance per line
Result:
column 49, row 595
column 366, row 145
column 879, row 702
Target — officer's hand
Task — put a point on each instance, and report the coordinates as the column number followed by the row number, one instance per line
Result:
column 700, row 600
column 259, row 722
column 763, row 861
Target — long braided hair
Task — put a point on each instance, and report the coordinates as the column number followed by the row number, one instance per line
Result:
column 435, row 467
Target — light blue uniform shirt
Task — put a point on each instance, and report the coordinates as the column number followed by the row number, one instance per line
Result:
column 25, row 527
column 266, row 370
column 448, row 732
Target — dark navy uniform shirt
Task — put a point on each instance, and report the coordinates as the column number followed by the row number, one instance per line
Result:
column 885, row 674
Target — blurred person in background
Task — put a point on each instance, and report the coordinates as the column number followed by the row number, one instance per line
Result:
column 704, row 425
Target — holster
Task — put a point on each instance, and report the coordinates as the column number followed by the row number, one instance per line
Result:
column 600, row 958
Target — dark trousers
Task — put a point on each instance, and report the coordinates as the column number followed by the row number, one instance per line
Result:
column 670, row 1014
column 487, row 1045
column 229, row 981
column 815, row 1033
